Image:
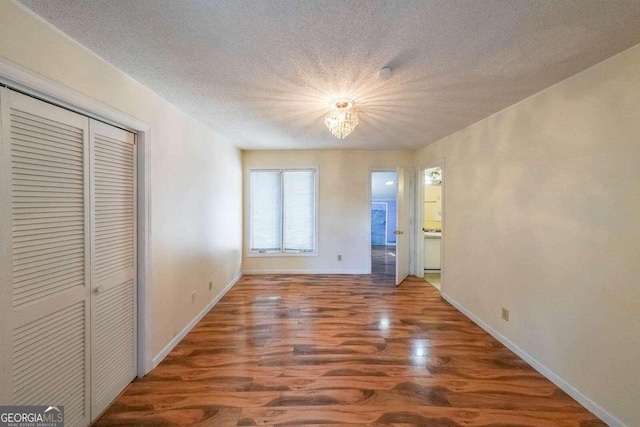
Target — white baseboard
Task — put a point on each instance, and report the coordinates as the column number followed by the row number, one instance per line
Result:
column 249, row 272
column 585, row 401
column 167, row 349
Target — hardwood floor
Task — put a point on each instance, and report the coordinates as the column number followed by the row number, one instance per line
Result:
column 383, row 264
column 341, row 350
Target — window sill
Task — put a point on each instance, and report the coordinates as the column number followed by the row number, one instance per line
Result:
column 280, row 254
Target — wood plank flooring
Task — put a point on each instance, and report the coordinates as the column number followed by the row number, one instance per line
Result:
column 383, row 264
column 341, row 350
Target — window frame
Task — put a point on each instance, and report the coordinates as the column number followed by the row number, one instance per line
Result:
column 282, row 253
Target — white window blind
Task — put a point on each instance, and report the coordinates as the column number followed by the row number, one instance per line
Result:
column 299, row 210
column 283, row 211
column 266, row 210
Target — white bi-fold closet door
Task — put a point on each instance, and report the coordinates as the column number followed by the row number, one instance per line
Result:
column 68, row 258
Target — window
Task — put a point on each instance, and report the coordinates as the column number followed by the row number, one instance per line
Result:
column 282, row 210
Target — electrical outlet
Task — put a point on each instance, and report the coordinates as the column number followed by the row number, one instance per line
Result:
column 193, row 297
column 505, row 314
column 210, row 285
column 339, row 257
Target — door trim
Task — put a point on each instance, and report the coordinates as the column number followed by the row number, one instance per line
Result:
column 15, row 77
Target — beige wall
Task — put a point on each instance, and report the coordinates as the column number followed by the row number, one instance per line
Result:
column 542, row 216
column 542, row 210
column 344, row 212
column 196, row 179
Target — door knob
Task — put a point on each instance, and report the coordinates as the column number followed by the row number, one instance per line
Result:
column 398, row 232
column 98, row 289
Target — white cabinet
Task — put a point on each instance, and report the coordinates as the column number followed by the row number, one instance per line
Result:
column 432, row 247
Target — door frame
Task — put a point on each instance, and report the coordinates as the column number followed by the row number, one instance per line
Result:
column 418, row 233
column 22, row 80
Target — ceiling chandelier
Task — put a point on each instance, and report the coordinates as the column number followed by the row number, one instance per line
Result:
column 342, row 119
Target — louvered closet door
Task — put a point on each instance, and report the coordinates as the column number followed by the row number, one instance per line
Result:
column 113, row 302
column 45, row 257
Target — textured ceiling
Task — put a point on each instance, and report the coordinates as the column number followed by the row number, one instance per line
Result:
column 262, row 73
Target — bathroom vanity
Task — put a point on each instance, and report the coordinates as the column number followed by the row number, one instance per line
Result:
column 432, row 248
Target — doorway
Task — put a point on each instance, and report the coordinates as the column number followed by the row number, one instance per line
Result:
column 432, row 221
column 383, row 223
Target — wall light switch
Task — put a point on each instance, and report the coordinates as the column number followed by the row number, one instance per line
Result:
column 210, row 285
column 339, row 257
column 505, row 314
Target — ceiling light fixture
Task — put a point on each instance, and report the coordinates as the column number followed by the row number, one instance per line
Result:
column 389, row 183
column 385, row 73
column 433, row 176
column 342, row 119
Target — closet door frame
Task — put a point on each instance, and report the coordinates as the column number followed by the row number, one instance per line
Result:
column 5, row 246
column 24, row 81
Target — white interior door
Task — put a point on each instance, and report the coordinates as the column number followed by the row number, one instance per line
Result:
column 403, row 208
column 113, row 266
column 45, row 256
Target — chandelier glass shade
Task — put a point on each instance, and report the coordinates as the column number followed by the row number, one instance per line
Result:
column 342, row 119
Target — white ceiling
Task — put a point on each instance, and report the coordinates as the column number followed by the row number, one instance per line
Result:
column 379, row 189
column 262, row 73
